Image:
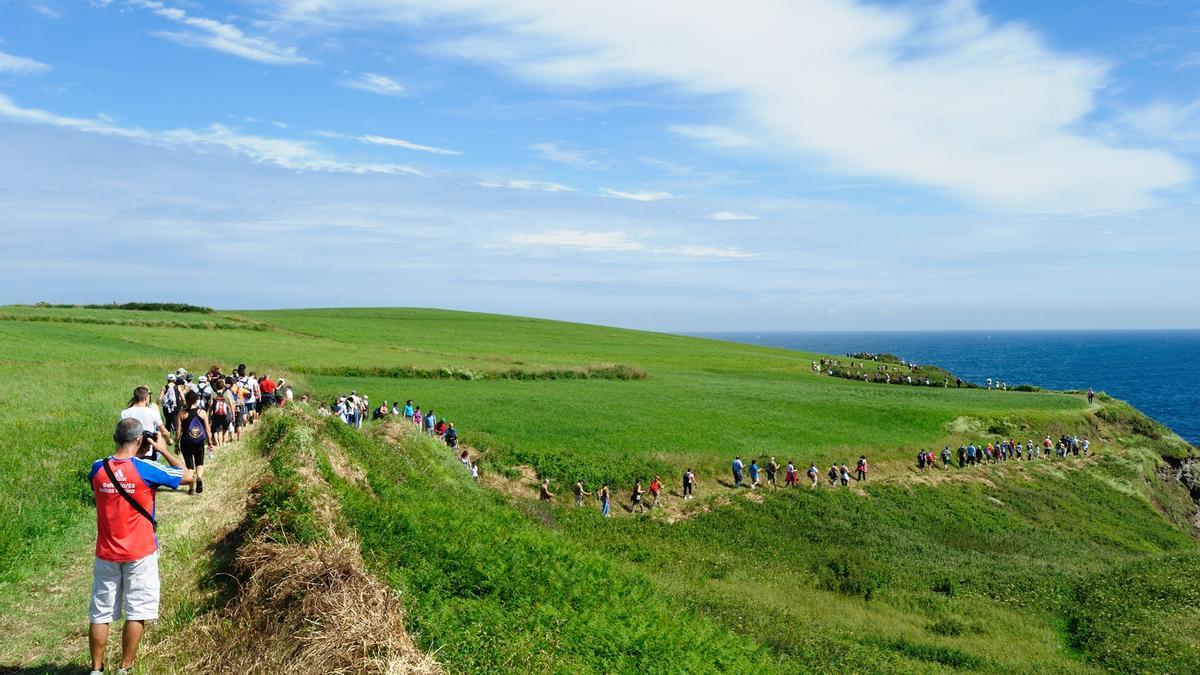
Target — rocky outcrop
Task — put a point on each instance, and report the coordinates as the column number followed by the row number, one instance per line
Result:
column 1187, row 472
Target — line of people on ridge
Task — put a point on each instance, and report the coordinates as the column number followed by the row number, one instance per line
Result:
column 354, row 409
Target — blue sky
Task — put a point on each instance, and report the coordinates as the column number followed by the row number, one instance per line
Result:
column 827, row 164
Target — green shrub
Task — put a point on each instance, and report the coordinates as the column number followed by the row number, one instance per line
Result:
column 851, row 572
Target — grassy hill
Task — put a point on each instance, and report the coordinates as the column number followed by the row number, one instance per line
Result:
column 998, row 568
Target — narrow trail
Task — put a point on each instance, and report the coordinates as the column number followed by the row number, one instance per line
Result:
column 712, row 494
column 48, row 629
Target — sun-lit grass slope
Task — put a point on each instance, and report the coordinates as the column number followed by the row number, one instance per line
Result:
column 991, row 573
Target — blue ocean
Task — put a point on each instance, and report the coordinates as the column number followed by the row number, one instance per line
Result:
column 1147, row 368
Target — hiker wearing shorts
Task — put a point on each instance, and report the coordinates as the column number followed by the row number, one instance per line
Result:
column 125, row 571
column 655, row 491
column 772, row 469
column 753, row 474
column 635, row 499
column 220, row 415
column 194, row 432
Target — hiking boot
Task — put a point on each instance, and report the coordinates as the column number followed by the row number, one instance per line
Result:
column 199, row 485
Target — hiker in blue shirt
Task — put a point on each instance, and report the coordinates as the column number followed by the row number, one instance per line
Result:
column 753, row 473
column 971, row 454
column 737, row 471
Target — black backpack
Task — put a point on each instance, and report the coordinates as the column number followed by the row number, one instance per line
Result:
column 193, row 429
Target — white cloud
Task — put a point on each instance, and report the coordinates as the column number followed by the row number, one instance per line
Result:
column 223, row 37
column 520, row 184
column 620, row 241
column 285, row 153
column 21, row 65
column 400, row 143
column 732, row 215
column 722, row 137
column 936, row 94
column 587, row 241
column 1162, row 121
column 557, row 151
column 376, row 84
column 640, row 196
column 712, row 251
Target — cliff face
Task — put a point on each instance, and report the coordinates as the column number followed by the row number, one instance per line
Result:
column 1187, row 472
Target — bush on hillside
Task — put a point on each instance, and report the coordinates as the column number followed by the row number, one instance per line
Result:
column 139, row 307
column 851, row 572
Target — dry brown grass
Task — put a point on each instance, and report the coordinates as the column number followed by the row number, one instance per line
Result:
column 303, row 607
column 307, row 608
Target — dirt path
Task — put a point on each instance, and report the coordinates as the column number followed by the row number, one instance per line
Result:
column 48, row 629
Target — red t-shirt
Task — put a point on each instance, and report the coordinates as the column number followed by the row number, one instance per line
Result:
column 123, row 534
column 267, row 386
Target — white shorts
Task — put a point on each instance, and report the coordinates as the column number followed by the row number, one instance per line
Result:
column 129, row 586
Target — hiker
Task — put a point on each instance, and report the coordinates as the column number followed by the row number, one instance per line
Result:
column 220, row 415
column 971, row 452
column 580, row 492
column 417, row 421
column 238, row 392
column 430, row 422
column 860, row 471
column 1091, row 396
column 475, row 470
column 169, row 400
column 845, row 476
column 921, row 460
column 789, row 475
column 194, row 432
column 689, row 481
column 408, row 409
column 834, row 474
column 812, row 475
column 655, row 491
column 125, row 571
column 772, row 469
column 267, row 391
column 602, row 495
column 1086, row 447
column 451, row 436
column 962, row 455
column 635, row 499
column 545, row 494
column 465, row 458
column 946, row 457
column 753, row 473
column 737, row 472
column 145, row 413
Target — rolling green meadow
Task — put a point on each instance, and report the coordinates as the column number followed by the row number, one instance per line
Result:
column 1074, row 565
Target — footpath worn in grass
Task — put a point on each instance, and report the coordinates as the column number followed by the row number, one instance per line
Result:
column 994, row 570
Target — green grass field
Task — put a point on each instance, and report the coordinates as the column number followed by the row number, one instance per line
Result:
column 996, row 570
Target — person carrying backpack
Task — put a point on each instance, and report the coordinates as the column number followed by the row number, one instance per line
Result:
column 451, row 435
column 220, row 414
column 169, row 399
column 860, row 470
column 772, row 469
column 689, row 482
column 655, row 491
column 194, row 434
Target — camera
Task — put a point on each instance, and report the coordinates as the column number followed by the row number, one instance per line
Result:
column 147, row 451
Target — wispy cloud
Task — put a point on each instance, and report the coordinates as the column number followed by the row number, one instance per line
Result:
column 375, row 83
column 579, row 239
column 557, row 151
column 637, row 196
column 520, row 184
column 620, row 241
column 373, row 139
column 721, row 137
column 21, row 65
column 934, row 94
column 732, row 215
column 46, row 10
column 285, row 153
column 408, row 145
column 712, row 252
column 1162, row 121
column 223, row 37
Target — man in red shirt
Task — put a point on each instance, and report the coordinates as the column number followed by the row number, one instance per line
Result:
column 125, row 573
column 268, row 390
